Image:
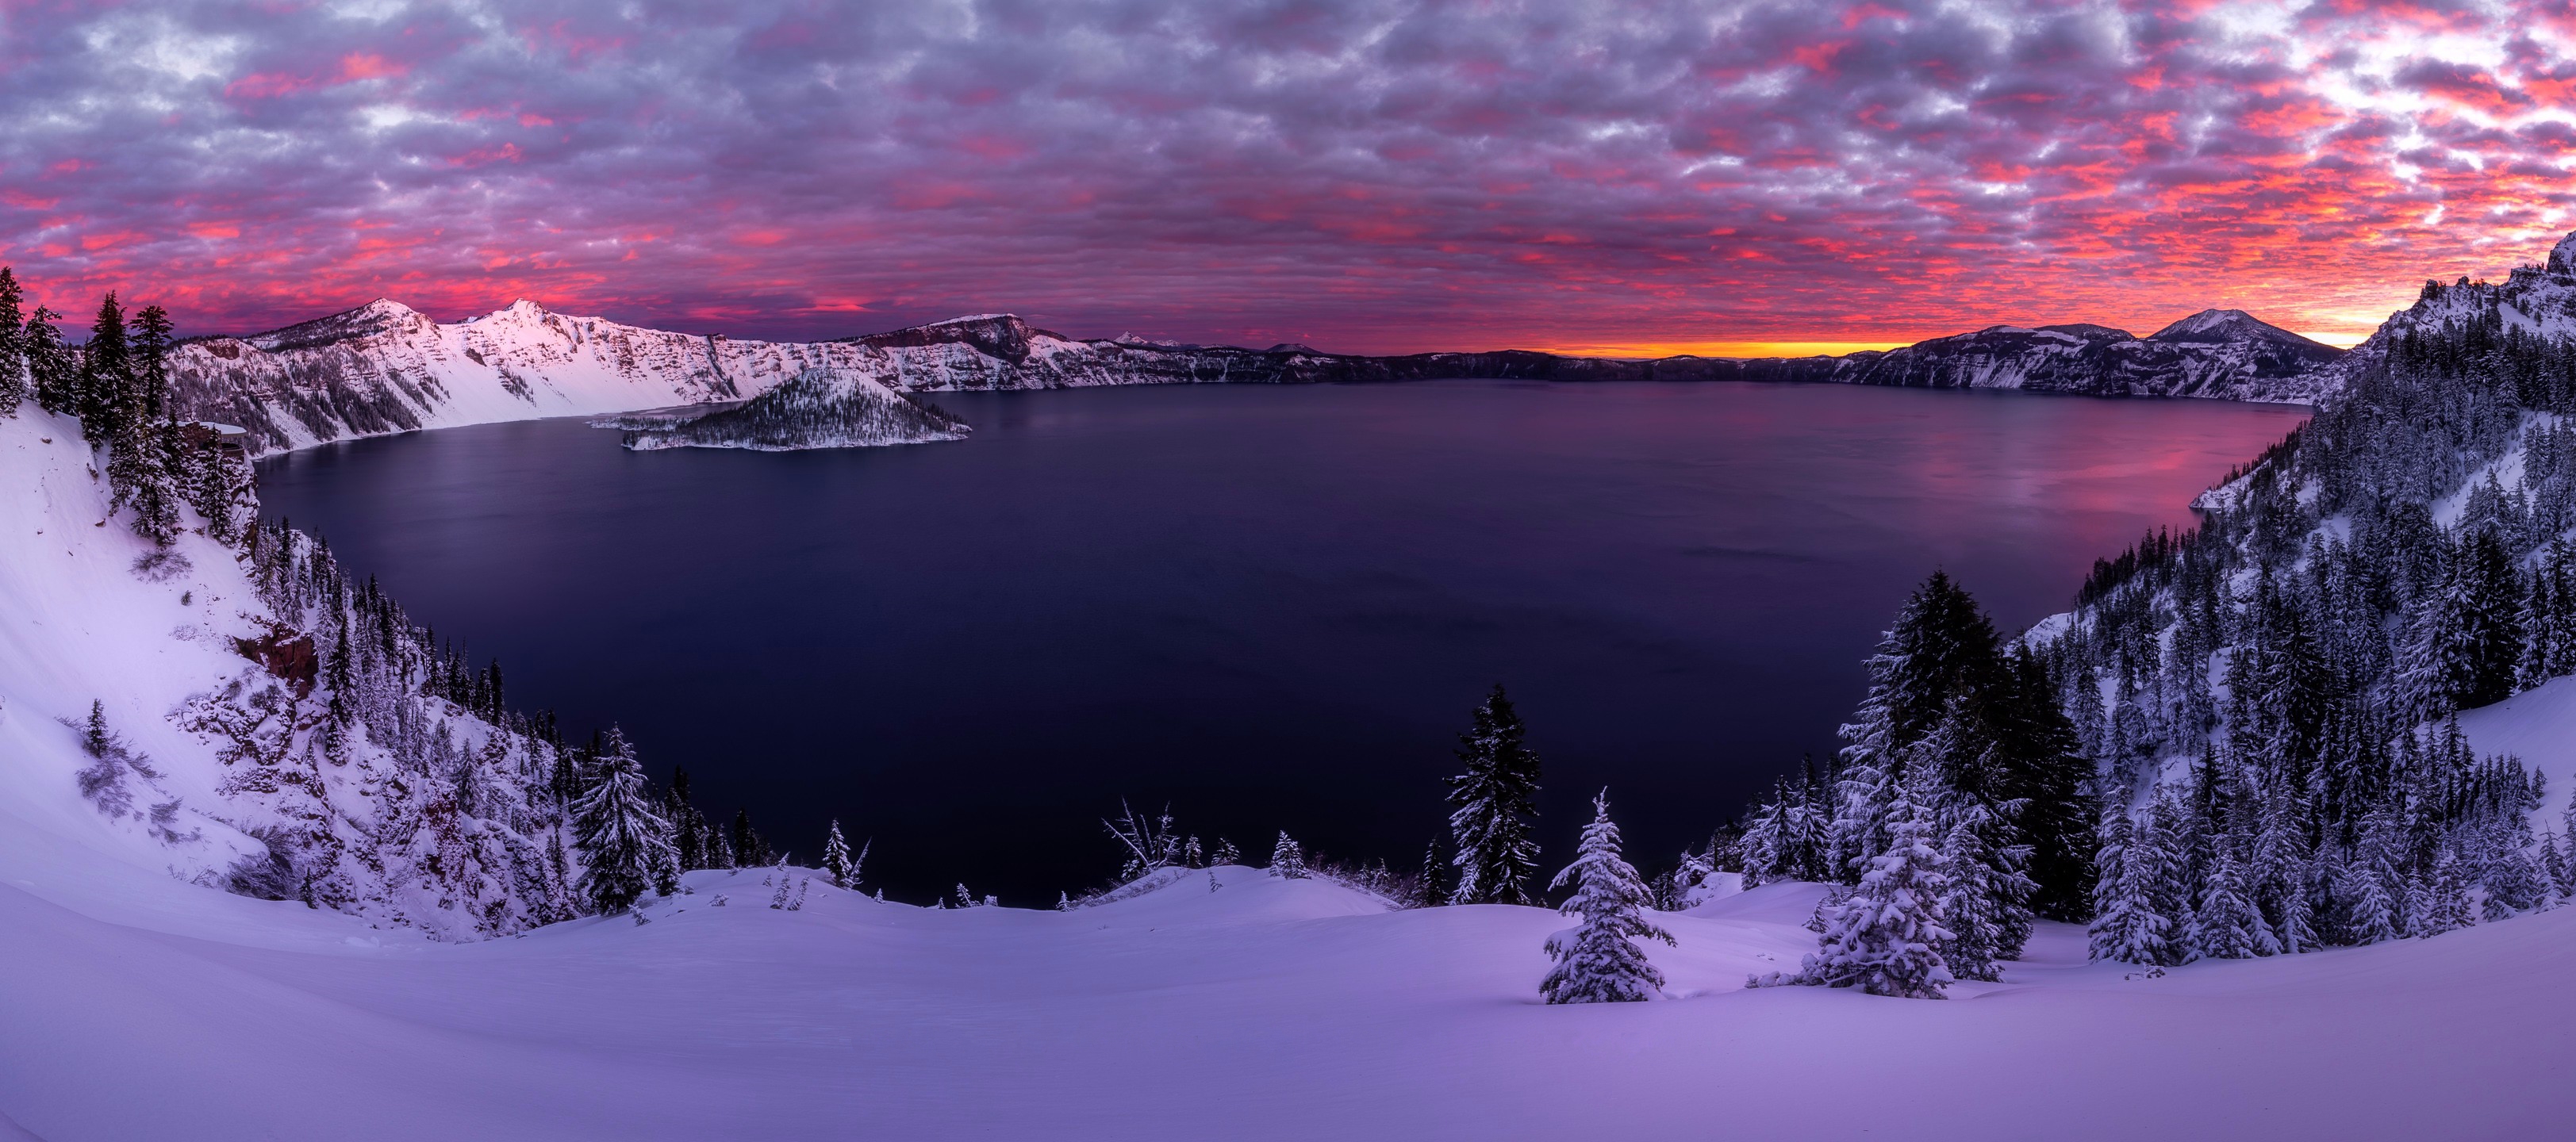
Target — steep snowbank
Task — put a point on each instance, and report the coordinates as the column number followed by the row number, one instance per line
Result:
column 216, row 698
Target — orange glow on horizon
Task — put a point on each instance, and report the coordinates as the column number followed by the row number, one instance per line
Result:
column 1647, row 349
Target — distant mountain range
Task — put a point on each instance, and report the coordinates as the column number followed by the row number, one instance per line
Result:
column 385, row 367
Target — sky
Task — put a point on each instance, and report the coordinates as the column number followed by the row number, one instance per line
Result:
column 1610, row 176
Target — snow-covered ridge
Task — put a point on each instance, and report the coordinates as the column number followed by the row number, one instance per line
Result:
column 2219, row 353
column 385, row 367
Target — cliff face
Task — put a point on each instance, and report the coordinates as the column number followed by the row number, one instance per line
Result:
column 384, row 367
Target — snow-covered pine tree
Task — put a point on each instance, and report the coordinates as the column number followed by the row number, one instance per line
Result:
column 2226, row 925
column 2127, row 926
column 1599, row 960
column 1885, row 937
column 2369, row 911
column 52, row 367
column 836, row 857
column 2443, row 900
column 1768, row 855
column 2465, row 643
column 14, row 382
column 1495, row 799
column 1287, row 859
column 139, row 478
column 666, row 865
column 2280, row 869
column 1688, row 872
column 1987, row 908
column 620, row 836
column 2042, row 786
column 2549, row 616
column 106, row 405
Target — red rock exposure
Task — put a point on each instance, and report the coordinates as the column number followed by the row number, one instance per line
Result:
column 286, row 654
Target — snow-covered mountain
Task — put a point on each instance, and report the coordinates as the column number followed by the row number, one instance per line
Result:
column 384, row 367
column 2220, row 353
column 2537, row 300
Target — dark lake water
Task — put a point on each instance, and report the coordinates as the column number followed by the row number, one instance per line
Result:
column 1269, row 607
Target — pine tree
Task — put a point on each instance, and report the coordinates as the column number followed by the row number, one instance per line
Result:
column 2549, row 616
column 1495, row 800
column 108, row 404
column 2369, row 911
column 2042, row 766
column 688, row 833
column 1987, row 858
column 836, row 858
column 217, row 484
column 1885, row 938
column 2225, row 926
column 749, row 849
column 151, row 347
column 1430, row 888
column 14, row 379
column 138, row 477
column 2443, row 901
column 2466, row 637
column 52, row 367
column 1287, row 859
column 2281, row 866
column 2127, row 926
column 95, row 738
column 1689, row 873
column 1768, row 851
column 620, row 837
column 1599, row 961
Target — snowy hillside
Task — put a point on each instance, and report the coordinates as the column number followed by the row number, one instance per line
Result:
column 384, row 367
column 1264, row 1009
column 214, row 674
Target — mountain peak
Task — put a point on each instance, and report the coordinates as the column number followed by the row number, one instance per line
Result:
column 2562, row 257
column 374, row 317
column 2223, row 326
column 520, row 309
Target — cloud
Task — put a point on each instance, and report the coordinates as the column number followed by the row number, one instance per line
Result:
column 1364, row 175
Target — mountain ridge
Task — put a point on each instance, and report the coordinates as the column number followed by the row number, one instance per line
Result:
column 385, row 367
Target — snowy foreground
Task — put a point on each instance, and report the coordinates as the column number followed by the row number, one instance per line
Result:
column 138, row 1001
column 139, row 1006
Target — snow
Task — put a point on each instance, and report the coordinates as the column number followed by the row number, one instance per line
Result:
column 1222, row 1003
column 1265, row 1009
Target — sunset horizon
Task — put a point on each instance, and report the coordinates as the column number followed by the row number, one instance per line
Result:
column 1369, row 179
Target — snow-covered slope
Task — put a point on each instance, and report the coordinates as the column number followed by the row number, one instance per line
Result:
column 1264, row 1009
column 218, row 699
column 384, row 367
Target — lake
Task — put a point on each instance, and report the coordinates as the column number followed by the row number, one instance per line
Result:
column 1269, row 607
